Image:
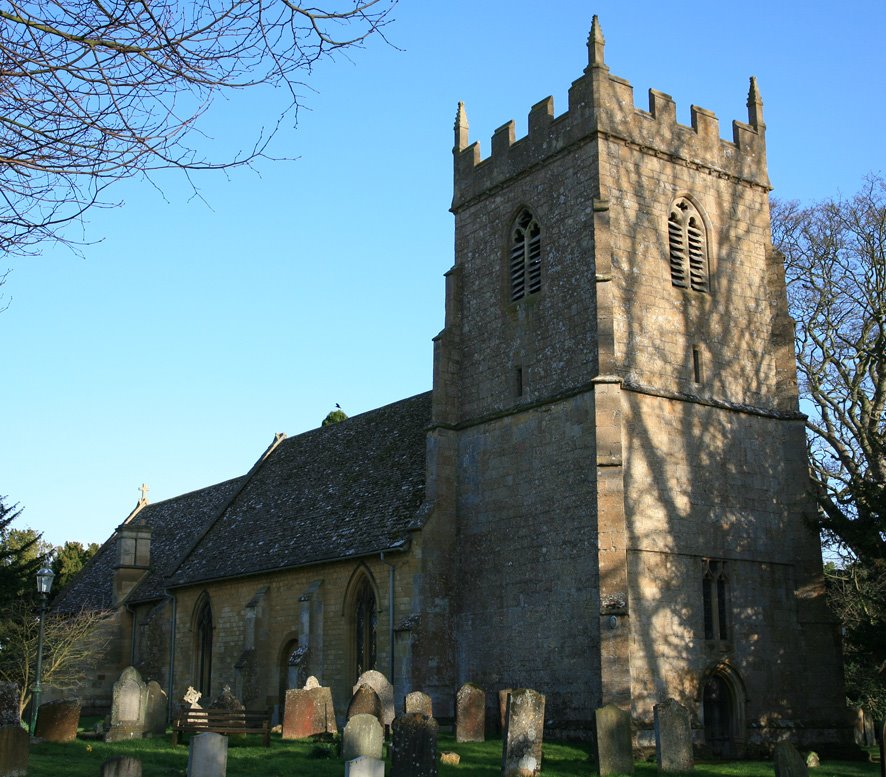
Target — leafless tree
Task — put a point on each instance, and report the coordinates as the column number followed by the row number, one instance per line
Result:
column 71, row 645
column 92, row 91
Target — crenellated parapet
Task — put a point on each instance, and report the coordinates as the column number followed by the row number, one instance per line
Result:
column 601, row 106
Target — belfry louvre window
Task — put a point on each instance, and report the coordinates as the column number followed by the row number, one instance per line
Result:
column 525, row 259
column 687, row 247
column 715, row 597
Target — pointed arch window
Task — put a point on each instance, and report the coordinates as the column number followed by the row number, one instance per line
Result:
column 204, row 648
column 525, row 256
column 365, row 622
column 715, row 597
column 687, row 247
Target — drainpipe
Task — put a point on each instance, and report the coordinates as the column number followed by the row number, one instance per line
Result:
column 391, row 568
column 169, row 680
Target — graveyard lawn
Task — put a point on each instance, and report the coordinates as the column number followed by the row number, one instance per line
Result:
column 247, row 758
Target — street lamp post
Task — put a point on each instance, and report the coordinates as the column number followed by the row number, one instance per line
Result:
column 44, row 585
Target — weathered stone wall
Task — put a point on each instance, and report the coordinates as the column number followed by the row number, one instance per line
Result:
column 279, row 602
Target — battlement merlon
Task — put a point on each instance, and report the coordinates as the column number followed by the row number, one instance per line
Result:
column 601, row 105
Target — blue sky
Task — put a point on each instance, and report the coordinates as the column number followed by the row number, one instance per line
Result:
column 172, row 350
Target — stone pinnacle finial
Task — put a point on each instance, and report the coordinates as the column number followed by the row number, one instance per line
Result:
column 755, row 105
column 461, row 128
column 144, row 490
column 596, row 42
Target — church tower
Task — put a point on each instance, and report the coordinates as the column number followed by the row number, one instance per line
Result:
column 616, row 461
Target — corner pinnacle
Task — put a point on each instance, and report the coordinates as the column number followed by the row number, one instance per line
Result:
column 596, row 42
column 755, row 106
column 461, row 128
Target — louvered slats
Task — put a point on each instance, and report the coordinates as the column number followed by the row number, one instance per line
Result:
column 698, row 276
column 525, row 261
column 677, row 252
column 518, row 271
column 687, row 251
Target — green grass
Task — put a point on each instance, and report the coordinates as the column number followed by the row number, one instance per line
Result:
column 247, row 758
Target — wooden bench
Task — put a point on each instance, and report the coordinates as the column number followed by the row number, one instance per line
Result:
column 199, row 721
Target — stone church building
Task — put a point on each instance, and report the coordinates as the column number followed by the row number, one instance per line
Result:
column 604, row 497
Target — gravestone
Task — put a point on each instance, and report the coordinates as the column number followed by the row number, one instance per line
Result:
column 414, row 746
column 122, row 766
column 190, row 701
column 208, row 755
column 155, row 710
column 673, row 737
column 812, row 760
column 311, row 682
column 227, row 701
column 869, row 739
column 365, row 701
column 379, row 683
column 614, row 741
column 470, row 714
column 14, row 751
column 523, row 734
column 308, row 711
column 503, row 707
column 365, row 767
column 363, row 735
column 57, row 720
column 858, row 727
column 129, row 707
column 449, row 758
column 418, row 702
column 788, row 761
column 9, row 704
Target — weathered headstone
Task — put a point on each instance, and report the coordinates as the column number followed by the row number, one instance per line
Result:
column 418, row 702
column 812, row 760
column 14, row 751
column 673, row 737
column 192, row 697
column 129, row 707
column 365, row 767
column 208, row 755
column 449, row 758
column 858, row 727
column 57, row 720
column 227, row 701
column 308, row 711
column 156, row 710
column 523, row 734
column 470, row 714
column 9, row 704
column 363, row 735
column 869, row 739
column 311, row 682
column 614, row 741
column 379, row 683
column 365, row 701
column 788, row 761
column 122, row 766
column 414, row 746
column 503, row 707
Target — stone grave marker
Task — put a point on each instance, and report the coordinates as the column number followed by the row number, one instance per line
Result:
column 812, row 760
column 365, row 701
column 523, row 734
column 788, row 761
column 9, row 704
column 870, row 739
column 379, row 683
column 363, row 735
column 128, row 707
column 418, row 702
column 673, row 737
column 470, row 714
column 57, row 720
column 614, row 741
column 122, row 766
column 858, row 727
column 414, row 746
column 14, row 751
column 155, row 710
column 365, row 767
column 308, row 711
column 503, row 707
column 208, row 755
column 227, row 701
column 311, row 682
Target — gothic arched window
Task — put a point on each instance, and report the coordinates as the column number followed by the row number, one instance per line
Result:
column 715, row 599
column 204, row 648
column 525, row 256
column 687, row 247
column 365, row 620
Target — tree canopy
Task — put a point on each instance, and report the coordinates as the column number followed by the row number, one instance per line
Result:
column 97, row 91
column 21, row 555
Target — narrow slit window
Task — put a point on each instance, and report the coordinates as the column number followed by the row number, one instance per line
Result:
column 525, row 257
column 687, row 247
column 696, row 364
column 518, row 381
column 715, row 600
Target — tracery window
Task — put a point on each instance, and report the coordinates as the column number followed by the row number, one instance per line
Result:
column 687, row 247
column 204, row 648
column 525, row 256
column 715, row 597
column 365, row 620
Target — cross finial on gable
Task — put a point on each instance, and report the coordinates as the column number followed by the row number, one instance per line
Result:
column 144, row 489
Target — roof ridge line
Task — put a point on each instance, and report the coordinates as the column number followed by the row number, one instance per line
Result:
column 278, row 438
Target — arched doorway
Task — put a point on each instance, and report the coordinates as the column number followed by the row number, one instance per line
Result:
column 365, row 621
column 293, row 668
column 723, row 702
